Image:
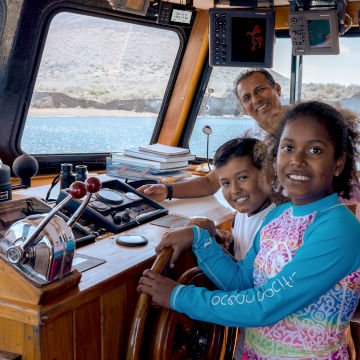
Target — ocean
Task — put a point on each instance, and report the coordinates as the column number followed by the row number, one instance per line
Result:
column 99, row 134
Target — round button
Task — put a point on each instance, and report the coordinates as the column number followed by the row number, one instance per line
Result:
column 109, row 196
column 220, row 23
column 132, row 196
column 131, row 240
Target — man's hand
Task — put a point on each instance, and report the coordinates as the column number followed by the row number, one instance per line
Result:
column 205, row 224
column 157, row 192
column 223, row 237
column 158, row 287
column 179, row 239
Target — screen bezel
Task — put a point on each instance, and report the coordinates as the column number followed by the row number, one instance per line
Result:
column 268, row 15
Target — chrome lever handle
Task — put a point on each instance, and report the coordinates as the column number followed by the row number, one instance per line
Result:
column 93, row 185
column 15, row 253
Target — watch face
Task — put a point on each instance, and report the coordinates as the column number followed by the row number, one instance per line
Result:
column 109, row 196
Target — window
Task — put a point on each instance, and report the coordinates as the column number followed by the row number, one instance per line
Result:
column 334, row 78
column 220, row 108
column 99, row 87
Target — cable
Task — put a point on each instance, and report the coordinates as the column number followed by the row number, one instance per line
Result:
column 53, row 183
column 347, row 26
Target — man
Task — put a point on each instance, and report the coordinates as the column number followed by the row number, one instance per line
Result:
column 259, row 95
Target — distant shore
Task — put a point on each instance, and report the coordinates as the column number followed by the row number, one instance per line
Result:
column 55, row 112
column 86, row 112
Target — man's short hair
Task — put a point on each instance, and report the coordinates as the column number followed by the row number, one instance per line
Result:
column 247, row 73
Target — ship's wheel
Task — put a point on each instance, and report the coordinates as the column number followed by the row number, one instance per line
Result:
column 175, row 336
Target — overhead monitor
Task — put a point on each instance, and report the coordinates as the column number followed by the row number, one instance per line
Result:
column 314, row 32
column 239, row 37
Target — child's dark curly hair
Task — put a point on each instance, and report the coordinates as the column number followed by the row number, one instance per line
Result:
column 342, row 126
column 255, row 149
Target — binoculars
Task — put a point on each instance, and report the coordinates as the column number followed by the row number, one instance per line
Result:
column 67, row 177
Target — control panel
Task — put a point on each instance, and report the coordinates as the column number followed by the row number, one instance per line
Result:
column 165, row 11
column 114, row 208
column 218, row 38
column 298, row 32
column 175, row 14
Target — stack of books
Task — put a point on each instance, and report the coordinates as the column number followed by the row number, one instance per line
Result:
column 149, row 160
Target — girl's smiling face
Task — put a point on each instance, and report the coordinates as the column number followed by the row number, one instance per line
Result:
column 306, row 161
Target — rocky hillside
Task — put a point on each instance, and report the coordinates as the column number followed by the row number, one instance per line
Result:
column 122, row 66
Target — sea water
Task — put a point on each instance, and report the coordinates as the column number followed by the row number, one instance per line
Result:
column 103, row 134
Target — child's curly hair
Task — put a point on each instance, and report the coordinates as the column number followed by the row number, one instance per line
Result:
column 342, row 126
column 255, row 149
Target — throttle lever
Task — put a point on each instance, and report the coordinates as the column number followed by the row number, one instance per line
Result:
column 93, row 185
column 16, row 252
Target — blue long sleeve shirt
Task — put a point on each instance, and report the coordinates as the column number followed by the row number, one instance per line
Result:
column 299, row 282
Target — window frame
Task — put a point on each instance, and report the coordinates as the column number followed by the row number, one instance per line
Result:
column 51, row 162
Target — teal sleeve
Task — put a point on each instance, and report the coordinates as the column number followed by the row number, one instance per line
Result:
column 218, row 266
column 330, row 251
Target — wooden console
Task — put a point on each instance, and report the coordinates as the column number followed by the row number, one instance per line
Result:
column 87, row 315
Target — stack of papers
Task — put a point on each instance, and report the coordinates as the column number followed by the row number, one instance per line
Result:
column 164, row 150
column 156, row 157
column 158, row 162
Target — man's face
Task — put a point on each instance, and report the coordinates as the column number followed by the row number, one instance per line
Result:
column 260, row 100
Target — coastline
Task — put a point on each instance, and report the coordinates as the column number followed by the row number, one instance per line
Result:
column 38, row 112
column 64, row 112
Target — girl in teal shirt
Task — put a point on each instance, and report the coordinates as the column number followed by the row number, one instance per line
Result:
column 299, row 285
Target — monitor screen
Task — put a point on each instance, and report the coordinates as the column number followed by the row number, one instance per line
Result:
column 319, row 33
column 248, row 40
column 241, row 37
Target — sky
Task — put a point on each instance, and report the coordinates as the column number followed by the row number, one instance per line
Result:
column 339, row 69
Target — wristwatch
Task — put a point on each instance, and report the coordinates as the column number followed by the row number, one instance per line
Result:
column 170, row 191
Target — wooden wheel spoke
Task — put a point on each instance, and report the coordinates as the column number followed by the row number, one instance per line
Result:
column 186, row 324
column 175, row 335
column 199, row 340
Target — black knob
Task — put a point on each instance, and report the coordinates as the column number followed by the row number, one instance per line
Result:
column 125, row 217
column 25, row 167
column 5, row 182
column 117, row 218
